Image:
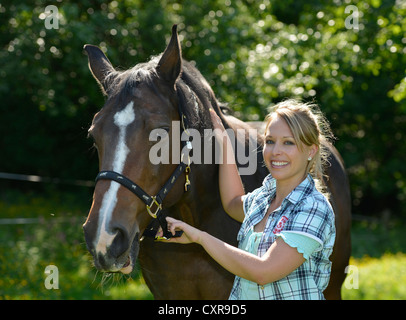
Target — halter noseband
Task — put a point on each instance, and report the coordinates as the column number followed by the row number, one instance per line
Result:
column 154, row 203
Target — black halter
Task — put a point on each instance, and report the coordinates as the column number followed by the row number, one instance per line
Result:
column 154, row 203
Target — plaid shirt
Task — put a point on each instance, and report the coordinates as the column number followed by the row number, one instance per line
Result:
column 304, row 211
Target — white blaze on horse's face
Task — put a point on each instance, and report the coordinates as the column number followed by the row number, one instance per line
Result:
column 104, row 238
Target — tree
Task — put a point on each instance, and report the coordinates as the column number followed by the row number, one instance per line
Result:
column 254, row 53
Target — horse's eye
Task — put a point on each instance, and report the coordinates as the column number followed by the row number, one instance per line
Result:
column 159, row 134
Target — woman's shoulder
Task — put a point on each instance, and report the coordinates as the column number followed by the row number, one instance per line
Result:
column 307, row 197
column 315, row 198
column 316, row 204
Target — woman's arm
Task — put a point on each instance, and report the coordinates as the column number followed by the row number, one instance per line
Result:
column 279, row 261
column 231, row 187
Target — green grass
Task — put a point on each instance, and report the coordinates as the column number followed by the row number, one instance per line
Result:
column 26, row 250
column 381, row 278
column 379, row 258
column 56, row 239
column 378, row 254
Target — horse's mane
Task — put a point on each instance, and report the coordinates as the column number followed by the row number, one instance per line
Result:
column 192, row 98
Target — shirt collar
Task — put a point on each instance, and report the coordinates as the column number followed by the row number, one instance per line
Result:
column 302, row 190
column 269, row 183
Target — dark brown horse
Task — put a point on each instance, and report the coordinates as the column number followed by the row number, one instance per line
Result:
column 148, row 98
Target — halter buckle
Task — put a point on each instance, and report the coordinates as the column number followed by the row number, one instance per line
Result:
column 158, row 207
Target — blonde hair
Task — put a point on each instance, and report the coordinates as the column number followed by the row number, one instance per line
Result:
column 309, row 127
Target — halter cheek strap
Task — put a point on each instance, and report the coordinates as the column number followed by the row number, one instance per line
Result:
column 153, row 203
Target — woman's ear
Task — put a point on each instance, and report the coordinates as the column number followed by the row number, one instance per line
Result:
column 313, row 150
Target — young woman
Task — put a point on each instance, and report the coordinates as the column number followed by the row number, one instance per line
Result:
column 287, row 232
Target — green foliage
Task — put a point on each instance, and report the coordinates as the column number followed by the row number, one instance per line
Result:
column 254, row 53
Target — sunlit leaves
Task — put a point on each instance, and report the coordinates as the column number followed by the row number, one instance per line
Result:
column 253, row 53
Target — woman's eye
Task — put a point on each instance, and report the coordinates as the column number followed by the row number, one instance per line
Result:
column 287, row 143
column 269, row 141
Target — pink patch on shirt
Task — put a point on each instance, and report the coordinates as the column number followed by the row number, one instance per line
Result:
column 280, row 225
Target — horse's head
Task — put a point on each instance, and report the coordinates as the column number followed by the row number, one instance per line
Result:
column 139, row 100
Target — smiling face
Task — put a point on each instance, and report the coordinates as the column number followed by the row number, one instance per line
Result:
column 286, row 158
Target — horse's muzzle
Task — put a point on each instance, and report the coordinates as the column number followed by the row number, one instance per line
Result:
column 117, row 253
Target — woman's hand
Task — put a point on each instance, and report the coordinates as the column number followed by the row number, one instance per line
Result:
column 190, row 234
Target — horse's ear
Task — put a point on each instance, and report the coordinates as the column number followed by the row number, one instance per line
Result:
column 99, row 65
column 170, row 65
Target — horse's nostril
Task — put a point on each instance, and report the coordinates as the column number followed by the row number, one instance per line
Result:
column 120, row 243
column 101, row 262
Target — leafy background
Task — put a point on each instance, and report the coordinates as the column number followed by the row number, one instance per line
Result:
column 253, row 53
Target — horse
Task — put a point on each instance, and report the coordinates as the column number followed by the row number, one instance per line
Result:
column 148, row 99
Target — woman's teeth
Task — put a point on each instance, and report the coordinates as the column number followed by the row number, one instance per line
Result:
column 279, row 163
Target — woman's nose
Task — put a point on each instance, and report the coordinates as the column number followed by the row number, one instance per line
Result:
column 276, row 149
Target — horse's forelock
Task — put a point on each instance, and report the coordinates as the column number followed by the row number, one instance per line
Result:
column 121, row 84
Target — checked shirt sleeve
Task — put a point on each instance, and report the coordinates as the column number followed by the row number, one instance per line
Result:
column 304, row 244
column 314, row 218
column 247, row 201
